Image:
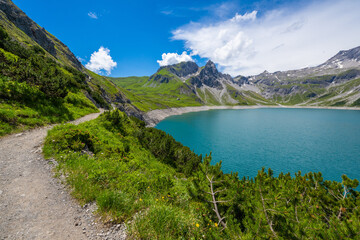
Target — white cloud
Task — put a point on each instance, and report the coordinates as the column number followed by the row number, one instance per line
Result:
column 93, row 15
column 167, row 12
column 173, row 58
column 279, row 39
column 247, row 16
column 101, row 61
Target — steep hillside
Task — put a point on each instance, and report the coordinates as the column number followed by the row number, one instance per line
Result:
column 27, row 32
column 41, row 81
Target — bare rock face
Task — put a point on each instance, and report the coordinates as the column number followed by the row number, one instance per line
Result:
column 35, row 32
column 351, row 55
column 184, row 69
column 24, row 23
column 210, row 76
column 240, row 80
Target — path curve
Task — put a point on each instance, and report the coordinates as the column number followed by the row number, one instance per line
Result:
column 34, row 204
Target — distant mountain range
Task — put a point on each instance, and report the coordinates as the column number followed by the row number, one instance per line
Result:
column 333, row 83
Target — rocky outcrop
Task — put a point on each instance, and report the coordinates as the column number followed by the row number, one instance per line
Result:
column 241, row 80
column 210, row 76
column 184, row 69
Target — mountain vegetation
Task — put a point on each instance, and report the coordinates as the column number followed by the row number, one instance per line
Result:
column 142, row 176
column 163, row 190
column 34, row 90
column 149, row 95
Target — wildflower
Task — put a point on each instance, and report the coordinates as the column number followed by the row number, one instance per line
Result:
column 216, row 224
column 197, row 225
column 157, row 199
column 140, row 199
column 162, row 197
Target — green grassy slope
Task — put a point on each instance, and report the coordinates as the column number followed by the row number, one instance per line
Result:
column 143, row 177
column 151, row 94
column 247, row 97
column 35, row 90
column 342, row 94
column 346, row 94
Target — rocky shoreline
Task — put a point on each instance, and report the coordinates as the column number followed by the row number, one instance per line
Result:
column 155, row 116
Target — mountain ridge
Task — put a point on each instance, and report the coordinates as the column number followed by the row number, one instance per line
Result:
column 314, row 86
column 38, row 34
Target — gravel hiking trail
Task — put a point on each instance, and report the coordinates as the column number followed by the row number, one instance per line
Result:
column 34, row 204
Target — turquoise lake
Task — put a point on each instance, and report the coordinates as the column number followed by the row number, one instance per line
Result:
column 285, row 140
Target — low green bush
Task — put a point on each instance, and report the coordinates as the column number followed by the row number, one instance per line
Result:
column 23, row 106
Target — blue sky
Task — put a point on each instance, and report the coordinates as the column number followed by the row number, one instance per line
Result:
column 242, row 37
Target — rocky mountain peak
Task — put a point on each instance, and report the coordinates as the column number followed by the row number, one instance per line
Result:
column 210, row 65
column 210, row 76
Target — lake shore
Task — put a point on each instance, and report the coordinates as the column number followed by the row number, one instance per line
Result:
column 155, row 116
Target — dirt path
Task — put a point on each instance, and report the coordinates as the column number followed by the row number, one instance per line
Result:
column 33, row 204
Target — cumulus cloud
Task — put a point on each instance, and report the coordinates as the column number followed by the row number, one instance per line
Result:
column 280, row 39
column 101, row 61
column 92, row 15
column 174, row 58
